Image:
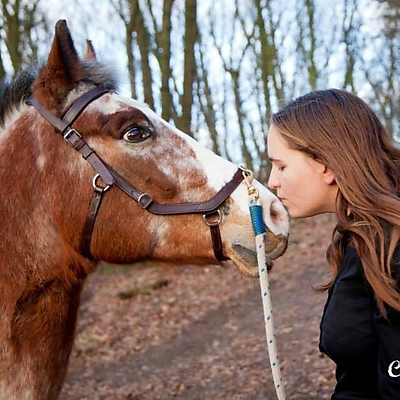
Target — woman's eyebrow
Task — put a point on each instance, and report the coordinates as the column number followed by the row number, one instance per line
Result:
column 274, row 159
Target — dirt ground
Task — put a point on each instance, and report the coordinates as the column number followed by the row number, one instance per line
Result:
column 163, row 332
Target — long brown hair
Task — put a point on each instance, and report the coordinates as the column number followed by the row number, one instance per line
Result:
column 341, row 131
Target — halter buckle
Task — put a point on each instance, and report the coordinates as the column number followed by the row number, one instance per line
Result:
column 213, row 223
column 70, row 132
column 144, row 200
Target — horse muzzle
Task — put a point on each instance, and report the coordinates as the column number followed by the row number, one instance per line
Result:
column 245, row 258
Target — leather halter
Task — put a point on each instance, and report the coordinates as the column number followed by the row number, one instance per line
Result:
column 110, row 177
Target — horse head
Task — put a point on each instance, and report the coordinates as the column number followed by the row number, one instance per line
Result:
column 154, row 157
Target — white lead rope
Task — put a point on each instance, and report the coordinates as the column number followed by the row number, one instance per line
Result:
column 269, row 320
column 258, row 225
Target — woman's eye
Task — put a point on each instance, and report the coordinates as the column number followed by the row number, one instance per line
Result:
column 135, row 135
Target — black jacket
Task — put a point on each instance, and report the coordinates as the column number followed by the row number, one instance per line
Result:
column 364, row 346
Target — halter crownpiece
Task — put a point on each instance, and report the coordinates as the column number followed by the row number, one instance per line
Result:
column 111, row 177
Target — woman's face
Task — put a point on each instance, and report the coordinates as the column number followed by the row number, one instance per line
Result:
column 305, row 186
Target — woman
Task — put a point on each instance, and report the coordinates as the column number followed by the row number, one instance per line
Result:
column 331, row 154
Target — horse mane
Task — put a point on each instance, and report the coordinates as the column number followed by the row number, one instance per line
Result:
column 14, row 91
column 17, row 89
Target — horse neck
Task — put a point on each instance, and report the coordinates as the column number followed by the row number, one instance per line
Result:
column 41, row 276
column 33, row 250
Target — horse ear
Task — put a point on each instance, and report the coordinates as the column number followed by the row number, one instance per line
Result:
column 90, row 54
column 62, row 71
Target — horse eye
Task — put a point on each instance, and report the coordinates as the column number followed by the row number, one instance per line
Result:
column 135, row 135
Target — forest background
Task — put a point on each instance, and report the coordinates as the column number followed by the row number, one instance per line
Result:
column 218, row 69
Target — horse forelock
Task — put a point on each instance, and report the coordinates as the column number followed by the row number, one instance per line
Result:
column 100, row 74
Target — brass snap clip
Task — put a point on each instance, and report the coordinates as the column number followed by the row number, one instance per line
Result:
column 248, row 177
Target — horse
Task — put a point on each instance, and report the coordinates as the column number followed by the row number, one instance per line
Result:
column 86, row 176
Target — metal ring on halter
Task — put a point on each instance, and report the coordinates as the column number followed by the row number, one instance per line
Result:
column 99, row 188
column 213, row 223
column 147, row 203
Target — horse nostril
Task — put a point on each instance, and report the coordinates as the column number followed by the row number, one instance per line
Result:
column 274, row 215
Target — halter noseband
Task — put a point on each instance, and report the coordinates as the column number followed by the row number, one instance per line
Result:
column 110, row 177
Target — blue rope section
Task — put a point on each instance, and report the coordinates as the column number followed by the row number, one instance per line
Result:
column 257, row 219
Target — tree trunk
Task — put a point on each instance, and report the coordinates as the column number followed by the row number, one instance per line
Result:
column 349, row 38
column 137, row 24
column 165, row 60
column 266, row 58
column 131, row 61
column 238, row 106
column 312, row 68
column 189, row 75
column 12, row 25
column 2, row 70
column 207, row 108
column 18, row 20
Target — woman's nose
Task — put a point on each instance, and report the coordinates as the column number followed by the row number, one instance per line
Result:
column 273, row 182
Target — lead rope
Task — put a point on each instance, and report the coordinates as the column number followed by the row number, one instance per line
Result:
column 259, row 231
